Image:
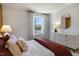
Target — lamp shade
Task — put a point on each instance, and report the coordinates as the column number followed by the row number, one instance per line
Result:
column 6, row 28
column 57, row 25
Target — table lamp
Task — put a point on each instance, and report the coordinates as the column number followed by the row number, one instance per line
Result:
column 6, row 29
column 57, row 26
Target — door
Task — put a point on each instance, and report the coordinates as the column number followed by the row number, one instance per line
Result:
column 0, row 16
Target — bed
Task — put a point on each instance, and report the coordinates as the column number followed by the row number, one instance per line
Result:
column 57, row 49
column 37, row 47
column 44, row 47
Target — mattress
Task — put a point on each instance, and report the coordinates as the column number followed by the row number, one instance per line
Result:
column 36, row 49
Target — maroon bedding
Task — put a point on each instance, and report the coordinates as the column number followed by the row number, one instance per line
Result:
column 57, row 49
column 4, row 51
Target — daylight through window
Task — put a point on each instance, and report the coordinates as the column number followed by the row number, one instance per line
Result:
column 38, row 24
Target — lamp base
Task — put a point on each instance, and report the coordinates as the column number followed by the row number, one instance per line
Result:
column 6, row 34
column 56, row 30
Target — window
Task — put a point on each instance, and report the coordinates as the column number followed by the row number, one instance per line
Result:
column 38, row 25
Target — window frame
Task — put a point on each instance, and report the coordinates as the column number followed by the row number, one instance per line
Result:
column 43, row 24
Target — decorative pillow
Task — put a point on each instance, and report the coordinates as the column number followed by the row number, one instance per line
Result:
column 13, row 48
column 2, row 43
column 22, row 44
column 13, row 38
column 5, row 38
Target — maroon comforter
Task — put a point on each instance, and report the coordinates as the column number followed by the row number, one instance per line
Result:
column 5, row 52
column 57, row 49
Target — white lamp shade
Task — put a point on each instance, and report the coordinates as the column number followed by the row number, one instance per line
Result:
column 57, row 25
column 6, row 28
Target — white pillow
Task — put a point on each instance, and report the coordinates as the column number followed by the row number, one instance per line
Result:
column 13, row 48
column 22, row 44
column 13, row 38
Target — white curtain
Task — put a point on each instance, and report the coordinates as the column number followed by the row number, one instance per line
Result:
column 30, row 25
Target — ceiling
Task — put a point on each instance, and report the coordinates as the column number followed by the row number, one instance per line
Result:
column 38, row 7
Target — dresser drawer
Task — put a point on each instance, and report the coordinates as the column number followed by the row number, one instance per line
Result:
column 60, row 41
column 73, row 41
column 68, row 39
column 72, row 38
column 72, row 45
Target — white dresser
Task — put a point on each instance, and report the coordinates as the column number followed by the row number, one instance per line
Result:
column 70, row 40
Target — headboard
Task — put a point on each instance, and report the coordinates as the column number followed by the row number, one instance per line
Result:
column 1, row 22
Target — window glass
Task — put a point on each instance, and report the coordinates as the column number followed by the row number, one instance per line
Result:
column 38, row 24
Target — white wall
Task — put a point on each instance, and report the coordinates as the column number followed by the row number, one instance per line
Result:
column 73, row 10
column 17, row 19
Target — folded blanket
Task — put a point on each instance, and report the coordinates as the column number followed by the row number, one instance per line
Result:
column 56, row 48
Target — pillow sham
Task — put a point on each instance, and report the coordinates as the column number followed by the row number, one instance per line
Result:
column 5, row 38
column 13, row 48
column 13, row 38
column 2, row 43
column 22, row 44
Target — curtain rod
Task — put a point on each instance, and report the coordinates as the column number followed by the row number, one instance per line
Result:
column 37, row 12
